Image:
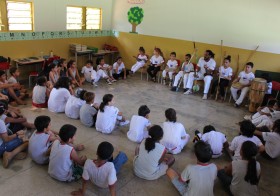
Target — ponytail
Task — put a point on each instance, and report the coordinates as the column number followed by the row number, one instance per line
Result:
column 106, row 99
column 156, row 134
column 159, row 51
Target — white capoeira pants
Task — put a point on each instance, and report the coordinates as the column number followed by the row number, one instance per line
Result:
column 243, row 94
column 179, row 76
column 170, row 74
column 207, row 81
column 179, row 148
column 262, row 120
column 137, row 66
column 100, row 74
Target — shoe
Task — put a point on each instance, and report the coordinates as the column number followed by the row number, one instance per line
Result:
column 185, row 90
column 124, row 123
column 113, row 80
column 94, row 84
column 109, row 82
column 248, row 117
column 164, row 82
column 236, row 105
column 188, row 92
column 204, row 97
column 174, row 88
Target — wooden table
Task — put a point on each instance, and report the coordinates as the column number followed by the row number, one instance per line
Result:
column 28, row 61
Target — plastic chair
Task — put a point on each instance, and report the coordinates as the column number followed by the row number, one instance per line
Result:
column 175, row 72
column 275, row 87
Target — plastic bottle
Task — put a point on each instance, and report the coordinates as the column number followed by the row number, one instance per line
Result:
column 51, row 54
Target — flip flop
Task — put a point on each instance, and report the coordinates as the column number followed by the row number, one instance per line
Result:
column 21, row 156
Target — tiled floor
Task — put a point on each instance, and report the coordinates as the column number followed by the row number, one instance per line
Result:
column 27, row 178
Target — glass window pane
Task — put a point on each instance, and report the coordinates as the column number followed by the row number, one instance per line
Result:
column 18, row 6
column 20, row 20
column 93, row 18
column 74, row 17
column 20, row 27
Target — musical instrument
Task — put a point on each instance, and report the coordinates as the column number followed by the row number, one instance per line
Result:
column 257, row 92
column 237, row 85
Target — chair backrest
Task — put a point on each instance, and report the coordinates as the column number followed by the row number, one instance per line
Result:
column 179, row 62
column 4, row 66
column 275, row 86
column 194, row 66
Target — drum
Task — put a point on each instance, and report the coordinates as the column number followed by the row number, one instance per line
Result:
column 257, row 92
column 237, row 85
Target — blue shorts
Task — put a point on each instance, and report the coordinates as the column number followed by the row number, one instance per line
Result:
column 6, row 92
column 182, row 187
column 10, row 145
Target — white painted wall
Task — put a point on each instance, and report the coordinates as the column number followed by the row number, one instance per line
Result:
column 50, row 15
column 240, row 23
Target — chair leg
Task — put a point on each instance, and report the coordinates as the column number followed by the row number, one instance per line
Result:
column 29, row 81
column 141, row 73
column 225, row 93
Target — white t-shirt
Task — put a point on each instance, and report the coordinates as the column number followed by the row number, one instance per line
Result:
column 211, row 64
column 3, row 130
column 216, row 140
column 238, row 141
column 272, row 143
column 38, row 145
column 172, row 64
column 269, row 88
column 240, row 187
column 39, row 94
column 172, row 134
column 86, row 114
column 156, row 60
column 225, row 72
column 275, row 115
column 138, row 128
column 187, row 67
column 60, row 165
column 121, row 67
column 102, row 176
column 87, row 71
column 142, row 59
column 58, row 99
column 200, row 179
column 12, row 80
column 246, row 78
column 73, row 106
column 104, row 66
column 106, row 121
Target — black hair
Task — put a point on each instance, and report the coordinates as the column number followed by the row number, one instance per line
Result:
column 188, row 55
column 276, row 126
column 106, row 99
column 98, row 60
column 118, row 58
column 228, row 58
column 156, row 133
column 67, row 132
column 41, row 80
column 105, row 150
column 208, row 128
column 2, row 73
column 203, row 151
column 89, row 62
column 82, row 94
column 250, row 64
column 60, row 62
column 170, row 115
column 70, row 63
column 173, row 53
column 266, row 77
column 42, row 122
column 247, row 128
column 142, row 49
column 89, row 96
column 249, row 151
column 3, row 107
column 210, row 53
column 62, row 82
column 143, row 110
column 13, row 70
column 51, row 66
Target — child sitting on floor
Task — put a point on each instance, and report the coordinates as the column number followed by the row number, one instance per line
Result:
column 64, row 162
column 90, row 74
column 88, row 111
column 215, row 139
column 74, row 75
column 74, row 104
column 139, row 125
column 102, row 171
column 41, row 140
column 14, row 79
column 196, row 179
column 247, row 129
column 175, row 137
column 241, row 177
column 171, row 67
column 54, row 73
column 104, row 70
column 151, row 159
column 62, row 67
column 41, row 92
column 119, row 69
column 108, row 115
column 141, row 60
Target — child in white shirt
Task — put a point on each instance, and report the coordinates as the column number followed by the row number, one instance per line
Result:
column 171, row 67
column 186, row 68
column 41, row 140
column 175, row 137
column 108, row 116
column 90, row 74
column 74, row 104
column 119, row 69
column 156, row 62
column 268, row 91
column 139, row 125
column 196, row 179
column 102, row 171
column 244, row 78
column 41, row 92
column 64, row 162
column 141, row 60
column 104, row 71
column 88, row 111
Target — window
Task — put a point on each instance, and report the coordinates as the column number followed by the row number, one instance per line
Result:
column 19, row 16
column 82, row 18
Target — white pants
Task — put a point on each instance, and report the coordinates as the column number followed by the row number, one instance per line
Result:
column 137, row 66
column 207, row 83
column 178, row 77
column 179, row 148
column 100, row 74
column 170, row 73
column 243, row 94
column 262, row 120
column 191, row 79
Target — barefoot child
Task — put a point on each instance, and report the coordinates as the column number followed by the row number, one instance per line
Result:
column 104, row 70
column 14, row 79
column 74, row 75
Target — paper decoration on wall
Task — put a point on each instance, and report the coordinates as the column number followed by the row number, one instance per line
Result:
column 136, row 1
column 13, row 36
column 135, row 17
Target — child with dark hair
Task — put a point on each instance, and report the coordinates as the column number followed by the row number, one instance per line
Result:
column 14, row 79
column 41, row 92
column 41, row 140
column 151, row 159
column 74, row 104
column 62, row 67
column 247, row 129
column 103, row 170
column 141, row 60
column 156, row 63
column 241, row 177
column 90, row 74
column 119, row 69
column 196, row 179
column 54, row 73
column 64, row 162
column 271, row 141
column 104, row 70
column 139, row 125
column 109, row 115
column 88, row 111
column 215, row 139
column 170, row 69
column 175, row 137
column 73, row 74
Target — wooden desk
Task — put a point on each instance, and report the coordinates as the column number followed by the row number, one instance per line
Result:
column 28, row 61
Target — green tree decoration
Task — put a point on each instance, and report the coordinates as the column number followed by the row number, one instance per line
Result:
column 135, row 17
